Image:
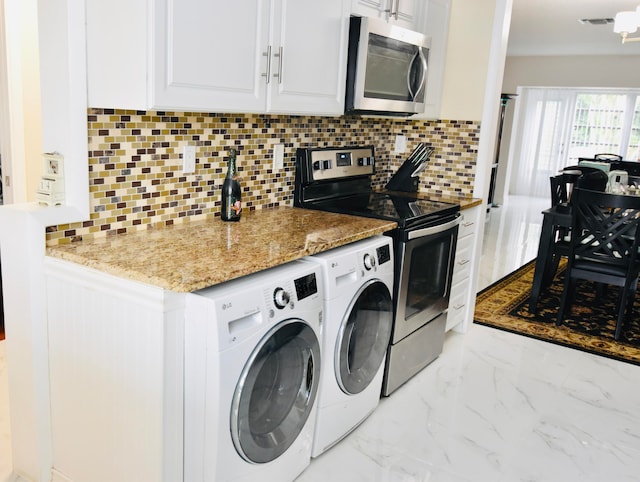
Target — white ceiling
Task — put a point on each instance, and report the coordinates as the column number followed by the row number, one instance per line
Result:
column 551, row 27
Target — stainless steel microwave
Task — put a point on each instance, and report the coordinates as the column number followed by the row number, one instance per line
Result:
column 387, row 68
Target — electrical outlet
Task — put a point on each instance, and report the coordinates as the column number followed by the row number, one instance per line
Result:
column 188, row 159
column 401, row 144
column 278, row 157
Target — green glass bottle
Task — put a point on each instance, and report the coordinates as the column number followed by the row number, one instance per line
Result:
column 231, row 192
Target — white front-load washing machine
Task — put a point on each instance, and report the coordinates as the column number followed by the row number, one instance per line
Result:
column 252, row 372
column 358, row 322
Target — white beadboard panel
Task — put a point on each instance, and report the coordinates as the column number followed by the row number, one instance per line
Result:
column 200, row 385
column 116, row 368
column 107, row 285
column 173, row 393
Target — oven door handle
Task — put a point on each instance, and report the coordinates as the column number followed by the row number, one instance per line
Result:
column 419, row 233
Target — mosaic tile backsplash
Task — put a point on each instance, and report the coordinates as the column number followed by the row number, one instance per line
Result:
column 135, row 162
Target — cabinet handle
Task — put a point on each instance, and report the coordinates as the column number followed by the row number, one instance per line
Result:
column 462, row 262
column 390, row 11
column 267, row 54
column 279, row 74
column 467, row 224
column 457, row 307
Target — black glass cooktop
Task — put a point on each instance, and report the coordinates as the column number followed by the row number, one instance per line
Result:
column 406, row 210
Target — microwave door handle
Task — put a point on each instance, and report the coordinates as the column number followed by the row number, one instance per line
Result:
column 409, row 86
column 423, row 62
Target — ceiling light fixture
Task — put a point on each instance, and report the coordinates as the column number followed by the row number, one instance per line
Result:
column 627, row 23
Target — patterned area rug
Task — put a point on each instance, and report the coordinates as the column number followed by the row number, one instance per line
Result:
column 589, row 326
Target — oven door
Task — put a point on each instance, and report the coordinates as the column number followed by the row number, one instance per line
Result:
column 425, row 264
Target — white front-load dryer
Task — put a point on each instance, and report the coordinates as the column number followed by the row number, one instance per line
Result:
column 252, row 372
column 358, row 322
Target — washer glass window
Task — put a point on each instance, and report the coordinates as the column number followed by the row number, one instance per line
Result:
column 276, row 392
column 364, row 337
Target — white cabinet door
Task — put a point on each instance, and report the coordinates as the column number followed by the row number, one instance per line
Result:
column 118, row 63
column 308, row 67
column 259, row 56
column 436, row 27
column 462, row 299
column 370, row 8
column 211, row 54
column 404, row 13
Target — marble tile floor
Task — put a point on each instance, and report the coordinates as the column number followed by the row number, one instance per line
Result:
column 494, row 407
column 511, row 235
column 498, row 407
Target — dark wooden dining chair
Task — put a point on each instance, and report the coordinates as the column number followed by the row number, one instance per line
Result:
column 559, row 193
column 561, row 234
column 605, row 232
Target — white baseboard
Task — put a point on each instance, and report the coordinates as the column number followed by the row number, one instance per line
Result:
column 57, row 476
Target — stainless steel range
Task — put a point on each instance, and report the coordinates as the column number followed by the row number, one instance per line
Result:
column 339, row 180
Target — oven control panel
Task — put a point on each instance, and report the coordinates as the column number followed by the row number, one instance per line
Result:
column 326, row 164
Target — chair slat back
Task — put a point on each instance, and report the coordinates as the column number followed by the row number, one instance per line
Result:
column 558, row 189
column 606, row 227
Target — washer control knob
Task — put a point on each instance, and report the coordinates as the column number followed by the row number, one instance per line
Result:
column 280, row 298
column 369, row 262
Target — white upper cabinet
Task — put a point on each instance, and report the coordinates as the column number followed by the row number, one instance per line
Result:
column 209, row 54
column 309, row 56
column 286, row 56
column 405, row 13
column 436, row 26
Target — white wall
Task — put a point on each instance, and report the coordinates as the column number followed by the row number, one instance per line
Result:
column 61, row 32
column 619, row 71
column 576, row 71
column 20, row 100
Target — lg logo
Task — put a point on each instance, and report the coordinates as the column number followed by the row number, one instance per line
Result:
column 226, row 306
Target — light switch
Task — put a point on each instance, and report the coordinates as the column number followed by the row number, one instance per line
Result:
column 278, row 157
column 189, row 159
column 401, row 144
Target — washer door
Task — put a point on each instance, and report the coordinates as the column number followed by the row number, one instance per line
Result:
column 364, row 337
column 276, row 391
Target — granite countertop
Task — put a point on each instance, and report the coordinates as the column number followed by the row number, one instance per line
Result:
column 192, row 255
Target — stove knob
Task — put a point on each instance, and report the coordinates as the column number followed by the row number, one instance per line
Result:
column 280, row 298
column 369, row 262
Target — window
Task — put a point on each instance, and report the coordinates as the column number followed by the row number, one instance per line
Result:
column 605, row 123
column 556, row 127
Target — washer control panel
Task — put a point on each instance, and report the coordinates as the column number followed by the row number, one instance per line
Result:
column 384, row 254
column 306, row 286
